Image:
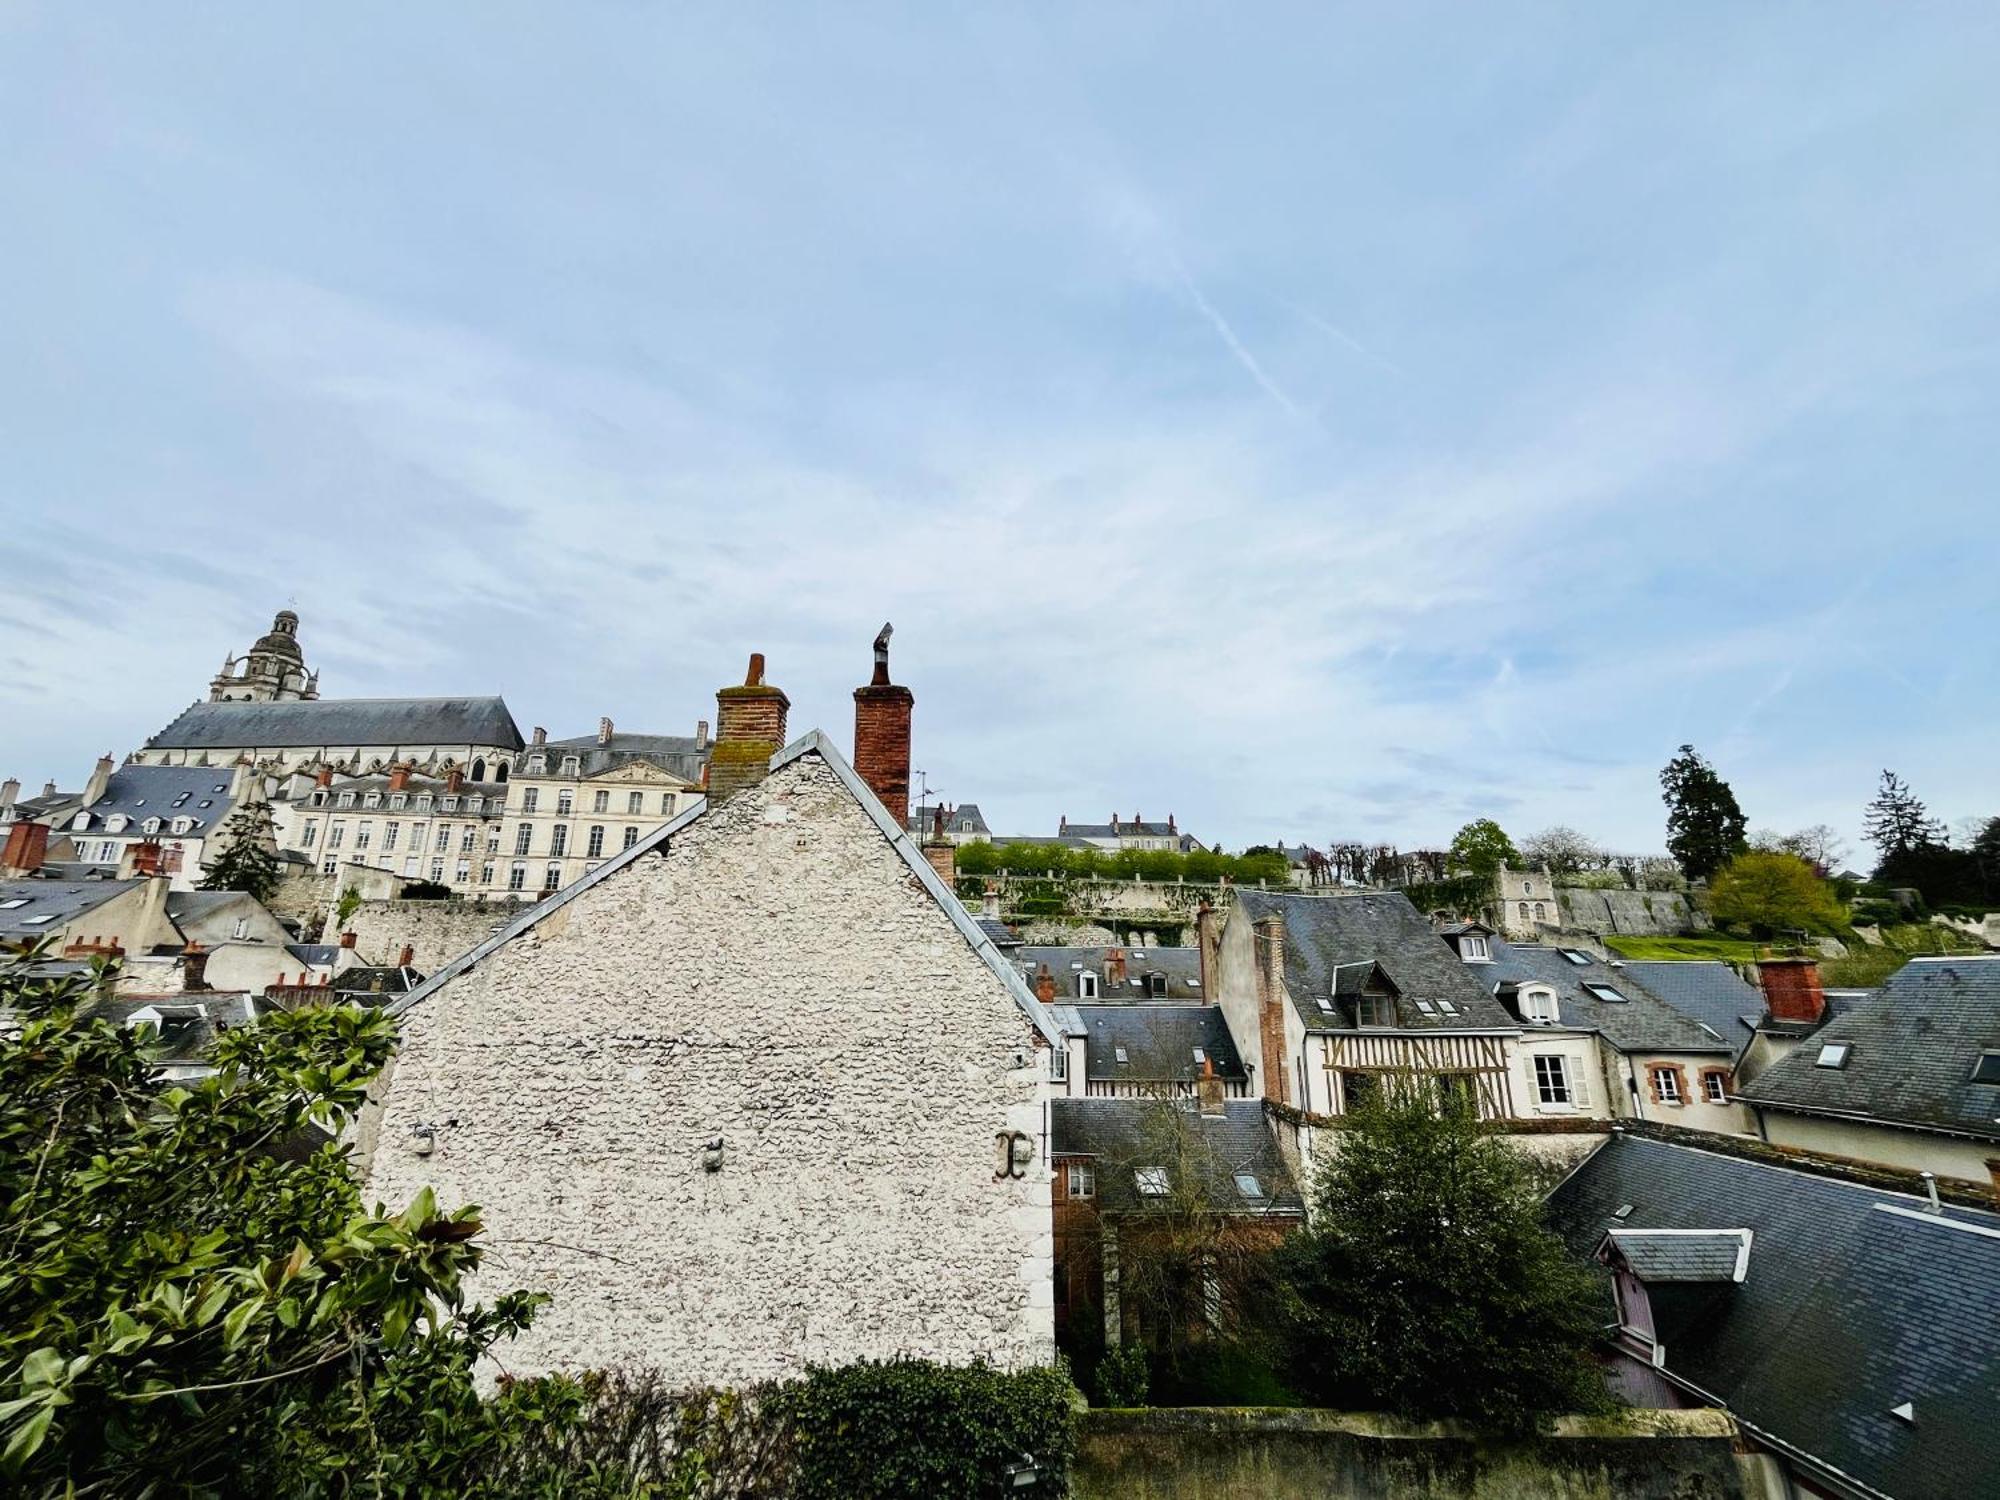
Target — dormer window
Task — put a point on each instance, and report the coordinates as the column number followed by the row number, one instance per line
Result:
column 571, row 765
column 82, row 820
column 151, row 825
column 346, row 799
column 1538, row 1005
column 117, row 823
column 1156, row 986
column 1086, row 986
column 319, row 799
column 1378, row 1011
column 372, row 799
column 451, row 804
column 183, row 825
column 398, row 801
column 1474, row 949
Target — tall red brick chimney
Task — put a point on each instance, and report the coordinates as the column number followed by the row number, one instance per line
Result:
column 1269, row 944
column 1114, row 969
column 399, row 776
column 1791, row 988
column 749, row 730
column 26, row 850
column 882, row 735
column 323, row 777
column 454, row 780
column 194, row 967
column 1045, row 985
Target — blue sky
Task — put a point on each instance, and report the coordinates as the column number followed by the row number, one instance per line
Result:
column 1314, row 421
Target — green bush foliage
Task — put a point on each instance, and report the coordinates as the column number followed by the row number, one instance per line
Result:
column 910, row 1430
column 1770, row 893
column 1124, row 1376
column 1055, row 861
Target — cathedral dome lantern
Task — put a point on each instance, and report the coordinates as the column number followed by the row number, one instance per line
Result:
column 273, row 670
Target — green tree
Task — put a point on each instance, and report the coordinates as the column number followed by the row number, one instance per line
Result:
column 1481, row 848
column 1896, row 822
column 1705, row 827
column 1769, row 892
column 248, row 859
column 192, row 1300
column 1426, row 1284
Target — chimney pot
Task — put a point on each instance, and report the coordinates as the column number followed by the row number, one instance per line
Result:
column 324, row 777
column 48, row 789
column 882, row 713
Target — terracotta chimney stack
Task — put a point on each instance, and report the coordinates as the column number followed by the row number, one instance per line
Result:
column 403, row 958
column 882, row 713
column 323, row 777
column 26, row 848
column 1045, row 985
column 1791, row 988
column 454, row 779
column 347, row 939
column 194, row 967
column 399, row 776
column 749, row 730
column 1114, row 968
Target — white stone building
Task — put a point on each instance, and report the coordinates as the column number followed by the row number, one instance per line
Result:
column 756, row 1092
column 573, row 803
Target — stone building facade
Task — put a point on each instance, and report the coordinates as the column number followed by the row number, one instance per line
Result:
column 574, row 803
column 757, row 1092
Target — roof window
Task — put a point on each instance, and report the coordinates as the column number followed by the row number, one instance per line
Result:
column 1200, row 1056
column 1447, row 1007
column 1426, row 1008
column 1248, row 1185
column 42, row 921
column 1987, row 1069
column 1605, row 993
column 1834, row 1055
column 1325, row 1003
column 1151, row 1181
column 13, row 903
column 1119, row 1053
column 1576, row 956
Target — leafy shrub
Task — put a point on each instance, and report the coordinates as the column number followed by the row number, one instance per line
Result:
column 1124, row 1376
column 910, row 1430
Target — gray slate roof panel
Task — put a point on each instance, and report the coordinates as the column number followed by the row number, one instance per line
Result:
column 61, row 900
column 677, row 754
column 342, row 721
column 1325, row 934
column 200, row 793
column 1159, row 1042
column 1703, row 990
column 1641, row 1022
column 1855, row 1301
column 1180, row 966
column 1703, row 1256
column 1914, row 1044
column 1124, row 1135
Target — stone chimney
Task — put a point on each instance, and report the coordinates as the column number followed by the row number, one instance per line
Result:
column 348, row 939
column 454, row 779
column 540, row 738
column 399, row 776
column 1114, row 822
column 403, row 958
column 749, row 730
column 1114, row 968
column 1170, row 824
column 940, row 851
column 1791, row 988
column 1045, row 985
column 10, row 793
column 882, row 735
column 701, row 734
column 100, row 778
column 603, row 731
column 194, row 967
column 1214, row 1099
column 48, row 789
column 1208, row 947
column 1269, row 942
column 26, row 849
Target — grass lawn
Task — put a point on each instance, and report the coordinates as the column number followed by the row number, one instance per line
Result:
column 1727, row 949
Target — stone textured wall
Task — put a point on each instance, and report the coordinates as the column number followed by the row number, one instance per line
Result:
column 438, row 930
column 1195, row 1453
column 1636, row 913
column 781, row 980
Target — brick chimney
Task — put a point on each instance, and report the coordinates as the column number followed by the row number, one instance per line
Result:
column 603, row 731
column 940, row 851
column 26, row 848
column 347, row 939
column 399, row 776
column 882, row 735
column 749, row 730
column 1045, row 985
column 701, row 734
column 1214, row 1099
column 1170, row 824
column 1791, row 988
column 323, row 777
column 148, row 859
column 1114, row 968
column 1269, row 943
column 194, row 967
column 403, row 958
column 100, row 778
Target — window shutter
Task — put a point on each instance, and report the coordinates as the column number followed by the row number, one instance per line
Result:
column 1579, row 1081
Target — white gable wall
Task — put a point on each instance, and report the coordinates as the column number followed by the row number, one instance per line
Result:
column 781, row 979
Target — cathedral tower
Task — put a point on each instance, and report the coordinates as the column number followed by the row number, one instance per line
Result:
column 271, row 671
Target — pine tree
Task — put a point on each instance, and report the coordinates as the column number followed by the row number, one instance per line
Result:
column 248, row 859
column 1705, row 827
column 1896, row 822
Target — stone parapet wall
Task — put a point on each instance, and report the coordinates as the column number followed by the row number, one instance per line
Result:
column 1237, row 1453
column 437, row 931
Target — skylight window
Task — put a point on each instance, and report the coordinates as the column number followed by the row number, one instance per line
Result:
column 1325, row 1004
column 1119, row 1053
column 1426, row 1008
column 1248, row 1185
column 1834, row 1055
column 1987, row 1069
column 1576, row 956
column 1200, row 1056
column 1604, row 992
column 1151, row 1181
column 42, row 921
column 16, row 902
column 1447, row 1007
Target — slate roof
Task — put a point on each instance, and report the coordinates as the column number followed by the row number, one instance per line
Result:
column 998, row 932
column 62, row 901
column 335, row 722
column 1707, row 991
column 1125, row 1135
column 919, row 824
column 373, row 984
column 1642, row 1022
column 1325, row 934
column 314, row 955
column 198, row 793
column 192, row 906
column 1854, row 1302
column 677, row 754
column 1665, row 1256
column 1181, row 966
column 189, row 1022
column 1914, row 1048
column 1159, row 1041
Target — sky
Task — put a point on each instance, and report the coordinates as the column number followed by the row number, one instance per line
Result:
column 1313, row 421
